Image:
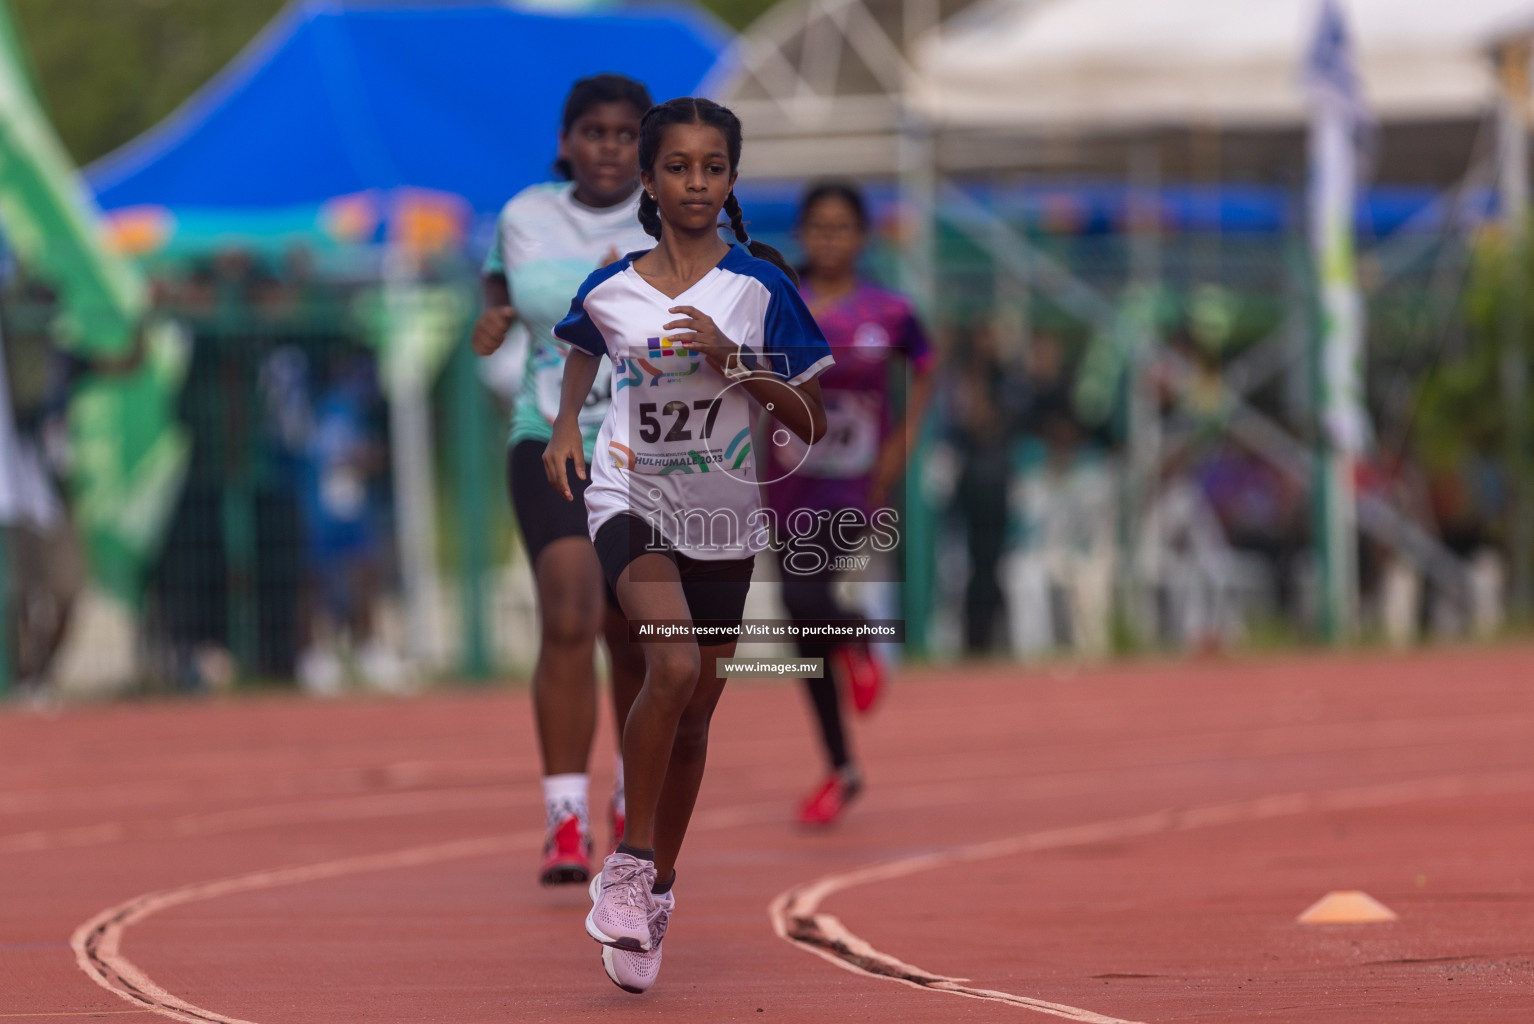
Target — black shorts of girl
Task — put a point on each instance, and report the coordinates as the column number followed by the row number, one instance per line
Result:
column 542, row 512
column 715, row 589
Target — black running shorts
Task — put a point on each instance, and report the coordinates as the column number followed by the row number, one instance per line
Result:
column 715, row 588
column 542, row 512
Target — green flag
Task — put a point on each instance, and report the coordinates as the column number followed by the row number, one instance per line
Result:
column 128, row 450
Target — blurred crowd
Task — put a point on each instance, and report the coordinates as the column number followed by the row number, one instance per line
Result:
column 278, row 559
column 1046, row 547
column 285, row 484
column 276, row 555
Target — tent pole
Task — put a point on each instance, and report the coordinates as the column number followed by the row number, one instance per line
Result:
column 1513, row 180
column 918, row 212
column 1144, row 421
column 410, row 444
column 1337, row 373
column 471, row 467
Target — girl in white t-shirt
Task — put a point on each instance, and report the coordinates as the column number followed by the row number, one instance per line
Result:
column 703, row 336
column 548, row 238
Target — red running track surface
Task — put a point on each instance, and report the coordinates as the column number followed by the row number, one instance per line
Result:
column 1118, row 844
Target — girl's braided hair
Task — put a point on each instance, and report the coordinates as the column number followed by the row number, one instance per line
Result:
column 696, row 110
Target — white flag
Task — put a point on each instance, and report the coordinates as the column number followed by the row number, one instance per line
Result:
column 1340, row 125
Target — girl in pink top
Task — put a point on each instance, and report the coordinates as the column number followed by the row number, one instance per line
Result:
column 852, row 472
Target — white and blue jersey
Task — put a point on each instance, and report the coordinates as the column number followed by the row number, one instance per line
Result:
column 677, row 445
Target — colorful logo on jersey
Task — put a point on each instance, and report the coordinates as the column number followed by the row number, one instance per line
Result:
column 736, row 450
column 621, row 454
column 675, row 361
column 626, row 373
column 698, row 462
column 660, row 348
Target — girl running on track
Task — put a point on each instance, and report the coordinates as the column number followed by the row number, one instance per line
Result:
column 701, row 334
column 856, row 467
column 548, row 238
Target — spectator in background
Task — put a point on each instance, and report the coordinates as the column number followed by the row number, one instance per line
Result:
column 1261, row 510
column 1468, row 505
column 1065, row 506
column 1391, row 580
column 44, row 559
column 984, row 403
column 343, row 459
column 189, row 583
column 235, row 544
column 1075, row 500
column 278, row 321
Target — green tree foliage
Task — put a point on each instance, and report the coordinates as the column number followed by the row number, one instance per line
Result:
column 738, row 13
column 1460, row 410
column 110, row 69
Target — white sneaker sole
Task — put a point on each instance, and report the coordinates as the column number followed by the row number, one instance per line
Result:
column 622, row 941
column 612, row 972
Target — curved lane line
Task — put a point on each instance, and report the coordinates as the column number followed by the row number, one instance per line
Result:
column 97, row 943
column 796, row 915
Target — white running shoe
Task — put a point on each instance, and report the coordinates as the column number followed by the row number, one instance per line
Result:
column 634, row 970
column 621, row 902
column 383, row 670
column 321, row 673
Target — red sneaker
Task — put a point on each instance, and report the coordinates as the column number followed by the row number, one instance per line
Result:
column 566, row 854
column 863, row 674
column 830, row 799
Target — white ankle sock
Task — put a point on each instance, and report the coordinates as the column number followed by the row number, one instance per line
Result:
column 565, row 794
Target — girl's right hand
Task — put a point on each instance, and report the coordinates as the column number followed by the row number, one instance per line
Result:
column 490, row 329
column 563, row 446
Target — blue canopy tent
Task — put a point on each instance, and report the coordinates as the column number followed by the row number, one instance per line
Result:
column 339, row 98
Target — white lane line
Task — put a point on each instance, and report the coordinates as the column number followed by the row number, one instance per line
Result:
column 347, row 808
column 488, row 789
column 796, row 915
column 98, row 942
column 194, row 784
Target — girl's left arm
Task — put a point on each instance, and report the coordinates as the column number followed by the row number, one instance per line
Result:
column 799, row 407
column 565, row 444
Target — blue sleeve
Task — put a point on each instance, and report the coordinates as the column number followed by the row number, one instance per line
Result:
column 577, row 327
column 578, row 330
column 795, row 346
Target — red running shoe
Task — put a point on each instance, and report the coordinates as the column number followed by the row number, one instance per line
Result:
column 830, row 799
column 863, row 674
column 566, row 854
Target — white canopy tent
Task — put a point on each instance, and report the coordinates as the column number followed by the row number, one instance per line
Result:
column 1112, row 65
column 832, row 86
